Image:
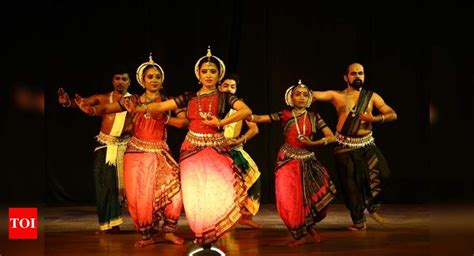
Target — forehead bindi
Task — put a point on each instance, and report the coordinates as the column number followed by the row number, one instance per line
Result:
column 208, row 65
column 301, row 91
column 356, row 69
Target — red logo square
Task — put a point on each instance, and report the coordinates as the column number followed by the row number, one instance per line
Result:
column 22, row 223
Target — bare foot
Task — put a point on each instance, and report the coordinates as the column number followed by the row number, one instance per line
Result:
column 375, row 216
column 100, row 232
column 113, row 230
column 315, row 235
column 173, row 238
column 143, row 243
column 249, row 222
column 295, row 243
column 356, row 227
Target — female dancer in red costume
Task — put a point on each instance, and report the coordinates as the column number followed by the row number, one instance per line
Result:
column 151, row 175
column 302, row 185
column 212, row 186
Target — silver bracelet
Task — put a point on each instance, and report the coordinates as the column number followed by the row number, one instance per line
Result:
column 325, row 141
column 67, row 105
column 383, row 118
column 145, row 113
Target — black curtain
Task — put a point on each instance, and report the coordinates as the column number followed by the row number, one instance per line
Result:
column 271, row 46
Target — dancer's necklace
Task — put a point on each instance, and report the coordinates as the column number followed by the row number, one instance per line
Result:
column 300, row 135
column 207, row 114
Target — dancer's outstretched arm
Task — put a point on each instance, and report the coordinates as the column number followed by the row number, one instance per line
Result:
column 259, row 118
column 98, row 109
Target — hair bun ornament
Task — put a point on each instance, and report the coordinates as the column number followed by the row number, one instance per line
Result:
column 209, row 55
column 143, row 66
column 289, row 93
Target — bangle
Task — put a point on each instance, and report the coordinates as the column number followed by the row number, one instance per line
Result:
column 167, row 119
column 251, row 117
column 67, row 105
column 145, row 112
column 325, row 141
column 383, row 118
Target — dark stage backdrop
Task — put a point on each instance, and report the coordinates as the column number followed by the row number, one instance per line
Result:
column 269, row 45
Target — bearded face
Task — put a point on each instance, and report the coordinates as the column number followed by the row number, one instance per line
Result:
column 355, row 76
column 357, row 83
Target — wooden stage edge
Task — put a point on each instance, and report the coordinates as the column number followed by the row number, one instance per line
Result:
column 412, row 230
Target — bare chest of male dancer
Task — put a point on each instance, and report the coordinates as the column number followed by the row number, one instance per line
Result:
column 108, row 120
column 345, row 102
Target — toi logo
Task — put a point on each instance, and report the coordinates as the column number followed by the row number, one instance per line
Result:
column 22, row 223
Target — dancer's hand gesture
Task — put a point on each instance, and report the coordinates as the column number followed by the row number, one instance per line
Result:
column 305, row 140
column 212, row 121
column 84, row 105
column 130, row 104
column 63, row 98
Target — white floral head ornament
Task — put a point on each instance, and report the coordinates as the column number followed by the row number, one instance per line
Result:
column 289, row 92
column 142, row 68
column 208, row 56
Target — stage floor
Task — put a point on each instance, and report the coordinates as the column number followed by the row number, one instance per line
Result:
column 71, row 231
